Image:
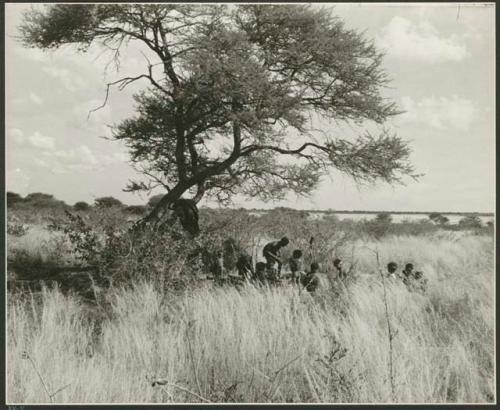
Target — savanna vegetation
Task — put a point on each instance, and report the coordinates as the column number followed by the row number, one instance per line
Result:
column 113, row 303
column 159, row 331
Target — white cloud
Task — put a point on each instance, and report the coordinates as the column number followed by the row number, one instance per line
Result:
column 404, row 39
column 440, row 112
column 71, row 160
column 69, row 79
column 42, row 163
column 117, row 157
column 93, row 122
column 35, row 99
column 41, row 141
column 16, row 135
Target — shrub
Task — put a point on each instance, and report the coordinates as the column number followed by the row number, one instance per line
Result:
column 438, row 219
column 81, row 206
column 383, row 217
column 164, row 255
column 135, row 209
column 470, row 221
column 13, row 198
column 15, row 229
column 107, row 202
column 38, row 200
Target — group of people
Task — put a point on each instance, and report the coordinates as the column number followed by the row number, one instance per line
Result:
column 414, row 281
column 270, row 271
column 311, row 279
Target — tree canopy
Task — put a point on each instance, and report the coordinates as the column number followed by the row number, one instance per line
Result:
column 232, row 93
column 107, row 202
column 470, row 221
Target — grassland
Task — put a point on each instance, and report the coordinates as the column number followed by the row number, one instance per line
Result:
column 280, row 344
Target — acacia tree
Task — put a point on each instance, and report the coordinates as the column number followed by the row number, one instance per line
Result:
column 232, row 93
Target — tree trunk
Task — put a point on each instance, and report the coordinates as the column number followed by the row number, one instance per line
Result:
column 165, row 202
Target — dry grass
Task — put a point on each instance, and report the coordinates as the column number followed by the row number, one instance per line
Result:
column 269, row 345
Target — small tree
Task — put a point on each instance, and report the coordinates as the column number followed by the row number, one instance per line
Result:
column 13, row 198
column 444, row 220
column 232, row 90
column 470, row 221
column 438, row 218
column 383, row 218
column 81, row 206
column 107, row 202
column 135, row 209
column 39, row 200
column 434, row 217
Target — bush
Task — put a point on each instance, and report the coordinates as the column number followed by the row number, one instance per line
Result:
column 135, row 209
column 470, row 221
column 16, row 228
column 438, row 219
column 13, row 198
column 38, row 200
column 121, row 255
column 81, row 206
column 383, row 218
column 107, row 202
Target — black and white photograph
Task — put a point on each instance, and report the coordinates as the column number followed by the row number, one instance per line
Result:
column 282, row 203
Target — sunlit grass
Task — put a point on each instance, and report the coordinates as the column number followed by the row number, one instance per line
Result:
column 269, row 345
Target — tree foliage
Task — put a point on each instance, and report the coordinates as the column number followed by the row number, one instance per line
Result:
column 13, row 198
column 107, row 202
column 81, row 206
column 39, row 200
column 438, row 219
column 232, row 93
column 470, row 221
column 383, row 217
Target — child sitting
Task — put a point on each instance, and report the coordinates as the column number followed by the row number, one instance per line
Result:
column 311, row 280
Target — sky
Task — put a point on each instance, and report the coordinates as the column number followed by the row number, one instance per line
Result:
column 440, row 58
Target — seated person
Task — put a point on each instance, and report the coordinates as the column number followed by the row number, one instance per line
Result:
column 392, row 267
column 408, row 275
column 311, row 281
column 260, row 272
column 244, row 266
column 420, row 283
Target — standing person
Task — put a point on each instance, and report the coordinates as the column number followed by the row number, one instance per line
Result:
column 296, row 264
column 339, row 266
column 272, row 252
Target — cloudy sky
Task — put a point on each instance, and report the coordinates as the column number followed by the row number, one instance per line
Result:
column 440, row 59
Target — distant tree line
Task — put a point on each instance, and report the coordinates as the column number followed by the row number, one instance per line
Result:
column 41, row 201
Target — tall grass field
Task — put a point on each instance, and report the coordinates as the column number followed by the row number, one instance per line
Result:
column 369, row 340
